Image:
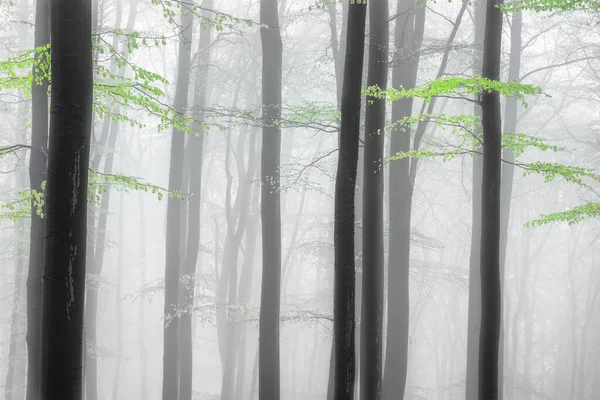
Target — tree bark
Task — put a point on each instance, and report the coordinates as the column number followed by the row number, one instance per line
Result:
column 491, row 296
column 66, row 201
column 37, row 174
column 173, row 263
column 371, row 369
column 269, row 373
column 344, row 264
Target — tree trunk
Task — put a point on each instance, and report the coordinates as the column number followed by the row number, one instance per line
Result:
column 344, row 271
column 141, row 306
column 170, row 387
column 37, row 174
column 508, row 169
column 269, row 373
column 491, row 296
column 195, row 148
column 408, row 36
column 372, row 223
column 66, row 201
column 474, row 311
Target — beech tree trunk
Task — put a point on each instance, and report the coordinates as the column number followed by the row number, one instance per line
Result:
column 173, row 263
column 491, row 296
column 474, row 311
column 37, row 174
column 344, row 264
column 268, row 371
column 66, row 201
column 371, row 369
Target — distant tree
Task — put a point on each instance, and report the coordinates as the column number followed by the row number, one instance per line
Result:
column 37, row 175
column 474, row 306
column 66, row 200
column 491, row 296
column 371, row 338
column 344, row 257
column 410, row 24
column 173, row 262
column 195, row 149
column 272, row 53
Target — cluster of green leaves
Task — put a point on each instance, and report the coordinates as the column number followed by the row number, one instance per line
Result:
column 100, row 183
column 573, row 216
column 551, row 5
column 16, row 72
column 208, row 17
column 460, row 87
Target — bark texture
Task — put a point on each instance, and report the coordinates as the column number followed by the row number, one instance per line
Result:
column 66, row 201
column 491, row 296
column 344, row 257
column 371, row 370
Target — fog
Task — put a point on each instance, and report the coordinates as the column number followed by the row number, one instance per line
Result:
column 550, row 335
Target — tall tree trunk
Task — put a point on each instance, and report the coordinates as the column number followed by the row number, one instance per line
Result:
column 269, row 373
column 409, row 29
column 66, row 200
column 344, row 268
column 474, row 311
column 372, row 223
column 508, row 170
column 37, row 174
column 491, row 296
column 173, row 263
column 196, row 148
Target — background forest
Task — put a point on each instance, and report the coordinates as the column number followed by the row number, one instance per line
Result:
column 256, row 166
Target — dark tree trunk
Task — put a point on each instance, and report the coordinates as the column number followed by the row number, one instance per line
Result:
column 195, row 148
column 344, row 269
column 37, row 174
column 269, row 374
column 372, row 223
column 408, row 36
column 66, row 201
column 173, row 263
column 491, row 296
column 474, row 311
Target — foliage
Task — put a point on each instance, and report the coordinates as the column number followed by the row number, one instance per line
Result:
column 573, row 216
column 551, row 5
column 457, row 87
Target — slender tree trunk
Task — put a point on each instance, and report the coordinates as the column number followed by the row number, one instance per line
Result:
column 508, row 169
column 269, row 373
column 408, row 36
column 371, row 370
column 196, row 148
column 344, row 271
column 66, row 201
column 491, row 296
column 474, row 311
column 173, row 263
column 37, row 174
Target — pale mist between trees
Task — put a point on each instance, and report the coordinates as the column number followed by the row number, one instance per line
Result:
column 300, row 199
